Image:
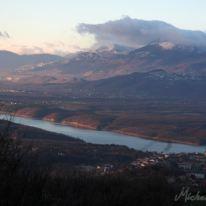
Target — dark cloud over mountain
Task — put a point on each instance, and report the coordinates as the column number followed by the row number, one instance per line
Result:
column 136, row 33
column 4, row 35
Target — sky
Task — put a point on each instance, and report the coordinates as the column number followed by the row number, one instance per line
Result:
column 36, row 26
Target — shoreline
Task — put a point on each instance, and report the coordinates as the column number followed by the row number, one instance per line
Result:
column 156, row 138
column 84, row 126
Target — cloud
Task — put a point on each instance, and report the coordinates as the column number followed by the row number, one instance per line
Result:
column 4, row 35
column 61, row 48
column 57, row 48
column 136, row 33
column 30, row 50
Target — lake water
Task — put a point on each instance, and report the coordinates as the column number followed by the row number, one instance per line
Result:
column 104, row 137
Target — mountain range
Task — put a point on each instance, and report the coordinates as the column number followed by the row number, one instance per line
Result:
column 171, row 66
column 101, row 64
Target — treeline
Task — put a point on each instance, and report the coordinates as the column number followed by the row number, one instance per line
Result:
column 24, row 182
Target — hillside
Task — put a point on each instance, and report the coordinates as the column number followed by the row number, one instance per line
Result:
column 10, row 61
column 101, row 64
column 155, row 84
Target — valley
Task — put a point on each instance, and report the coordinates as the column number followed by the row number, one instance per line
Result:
column 180, row 121
column 155, row 92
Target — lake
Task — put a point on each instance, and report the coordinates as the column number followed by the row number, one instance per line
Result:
column 106, row 137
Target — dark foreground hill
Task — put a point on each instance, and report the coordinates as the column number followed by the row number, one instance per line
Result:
column 54, row 149
column 27, row 179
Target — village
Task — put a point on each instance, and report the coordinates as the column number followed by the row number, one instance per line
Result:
column 184, row 169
